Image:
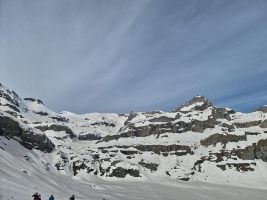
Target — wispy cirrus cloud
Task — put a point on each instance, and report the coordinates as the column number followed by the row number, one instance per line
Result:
column 117, row 56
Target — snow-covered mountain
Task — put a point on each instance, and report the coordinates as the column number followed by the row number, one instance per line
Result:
column 195, row 142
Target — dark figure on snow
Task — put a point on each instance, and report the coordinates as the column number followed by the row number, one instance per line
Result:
column 72, row 197
column 36, row 196
column 51, row 197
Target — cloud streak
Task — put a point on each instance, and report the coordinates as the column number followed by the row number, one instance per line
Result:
column 118, row 56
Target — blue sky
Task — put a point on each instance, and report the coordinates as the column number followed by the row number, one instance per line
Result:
column 141, row 55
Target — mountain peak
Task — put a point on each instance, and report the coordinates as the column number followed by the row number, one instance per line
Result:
column 199, row 98
column 263, row 109
column 198, row 102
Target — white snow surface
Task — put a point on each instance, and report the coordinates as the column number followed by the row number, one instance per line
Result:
column 20, row 178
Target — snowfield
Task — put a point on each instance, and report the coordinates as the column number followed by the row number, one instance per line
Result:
column 20, row 180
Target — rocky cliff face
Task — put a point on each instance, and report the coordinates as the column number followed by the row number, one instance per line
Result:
column 196, row 141
column 14, row 126
column 26, row 136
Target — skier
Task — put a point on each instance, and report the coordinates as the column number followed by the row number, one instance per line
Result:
column 72, row 197
column 51, row 197
column 36, row 196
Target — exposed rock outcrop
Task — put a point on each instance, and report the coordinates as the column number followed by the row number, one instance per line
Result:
column 157, row 129
column 120, row 172
column 41, row 113
column 141, row 131
column 151, row 166
column 222, row 113
column 89, row 136
column 38, row 101
column 60, row 119
column 130, row 117
column 57, row 127
column 264, row 124
column 158, row 149
column 241, row 167
column 26, row 136
column 162, row 119
column 10, row 96
column 176, row 149
column 248, row 124
column 194, row 126
column 81, row 165
column 263, row 109
column 223, row 139
column 256, row 151
column 103, row 124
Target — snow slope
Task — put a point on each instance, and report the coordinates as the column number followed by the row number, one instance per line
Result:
column 19, row 180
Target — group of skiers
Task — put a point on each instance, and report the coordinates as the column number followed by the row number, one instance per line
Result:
column 37, row 196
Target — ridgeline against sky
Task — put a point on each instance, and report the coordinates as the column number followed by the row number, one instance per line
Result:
column 118, row 56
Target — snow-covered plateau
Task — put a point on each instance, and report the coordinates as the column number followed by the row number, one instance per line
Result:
column 196, row 151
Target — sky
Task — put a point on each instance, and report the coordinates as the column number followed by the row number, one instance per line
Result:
column 123, row 55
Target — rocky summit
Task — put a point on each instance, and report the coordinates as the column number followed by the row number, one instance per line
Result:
column 197, row 141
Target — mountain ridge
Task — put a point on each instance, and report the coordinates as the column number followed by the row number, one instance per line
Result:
column 197, row 141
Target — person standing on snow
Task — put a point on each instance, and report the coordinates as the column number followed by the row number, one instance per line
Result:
column 72, row 197
column 51, row 197
column 36, row 196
